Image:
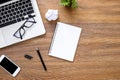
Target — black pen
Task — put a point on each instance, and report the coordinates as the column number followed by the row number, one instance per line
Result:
column 39, row 54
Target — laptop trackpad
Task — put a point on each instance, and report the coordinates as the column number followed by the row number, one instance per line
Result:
column 9, row 31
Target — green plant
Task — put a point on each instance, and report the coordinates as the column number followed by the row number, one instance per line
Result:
column 69, row 3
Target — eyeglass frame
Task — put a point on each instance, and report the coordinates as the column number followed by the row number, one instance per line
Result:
column 23, row 26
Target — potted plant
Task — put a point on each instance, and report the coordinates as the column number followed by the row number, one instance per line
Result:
column 69, row 3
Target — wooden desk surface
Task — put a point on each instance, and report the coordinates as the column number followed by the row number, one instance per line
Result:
column 98, row 53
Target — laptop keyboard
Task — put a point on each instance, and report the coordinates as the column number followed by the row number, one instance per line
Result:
column 15, row 12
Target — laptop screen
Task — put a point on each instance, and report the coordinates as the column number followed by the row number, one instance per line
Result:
column 4, row 1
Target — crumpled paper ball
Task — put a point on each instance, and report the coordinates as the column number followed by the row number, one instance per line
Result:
column 51, row 15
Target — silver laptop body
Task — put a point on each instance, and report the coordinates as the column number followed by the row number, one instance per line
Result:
column 20, row 20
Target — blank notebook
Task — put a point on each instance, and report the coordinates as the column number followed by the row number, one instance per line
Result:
column 65, row 41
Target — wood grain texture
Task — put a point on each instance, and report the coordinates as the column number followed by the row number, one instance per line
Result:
column 98, row 53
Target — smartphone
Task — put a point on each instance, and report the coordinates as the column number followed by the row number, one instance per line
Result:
column 8, row 65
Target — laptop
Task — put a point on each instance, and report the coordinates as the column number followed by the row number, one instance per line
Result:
column 20, row 20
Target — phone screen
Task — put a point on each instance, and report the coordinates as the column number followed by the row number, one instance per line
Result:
column 8, row 65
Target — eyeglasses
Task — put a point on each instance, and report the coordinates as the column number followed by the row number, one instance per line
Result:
column 27, row 24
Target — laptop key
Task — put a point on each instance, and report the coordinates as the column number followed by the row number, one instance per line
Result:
column 30, row 8
column 3, row 21
column 7, row 19
column 19, row 19
column 10, row 18
column 23, row 18
column 7, row 15
column 30, row 12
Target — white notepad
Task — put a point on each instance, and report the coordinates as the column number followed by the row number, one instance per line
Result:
column 65, row 41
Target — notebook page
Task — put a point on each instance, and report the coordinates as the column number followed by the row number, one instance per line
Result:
column 65, row 41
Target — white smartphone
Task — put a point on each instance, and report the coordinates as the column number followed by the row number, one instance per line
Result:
column 9, row 65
